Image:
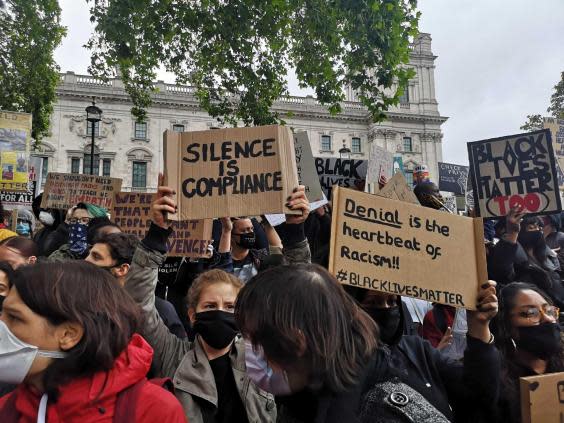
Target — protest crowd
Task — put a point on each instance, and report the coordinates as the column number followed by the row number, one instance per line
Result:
column 260, row 321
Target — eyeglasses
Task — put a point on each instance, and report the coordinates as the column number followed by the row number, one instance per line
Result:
column 535, row 314
column 83, row 220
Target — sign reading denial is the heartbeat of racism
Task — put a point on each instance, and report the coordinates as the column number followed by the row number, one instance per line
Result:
column 517, row 170
column 231, row 172
column 405, row 249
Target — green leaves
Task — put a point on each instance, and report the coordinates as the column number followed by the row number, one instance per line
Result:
column 534, row 123
column 237, row 53
column 30, row 30
column 557, row 100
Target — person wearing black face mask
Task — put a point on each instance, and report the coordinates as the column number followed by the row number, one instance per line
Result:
column 523, row 255
column 529, row 338
column 460, row 391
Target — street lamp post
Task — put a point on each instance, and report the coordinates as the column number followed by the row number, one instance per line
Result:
column 93, row 115
column 343, row 150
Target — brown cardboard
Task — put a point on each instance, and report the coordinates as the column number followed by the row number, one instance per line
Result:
column 405, row 249
column 397, row 189
column 542, row 398
column 186, row 169
column 307, row 174
column 65, row 190
column 190, row 238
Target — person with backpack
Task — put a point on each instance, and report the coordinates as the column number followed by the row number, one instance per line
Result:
column 464, row 391
column 68, row 340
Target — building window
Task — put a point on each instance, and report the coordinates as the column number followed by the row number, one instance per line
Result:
column 404, row 98
column 96, row 128
column 407, row 144
column 139, row 177
column 325, row 143
column 355, row 145
column 44, row 169
column 86, row 165
column 178, row 128
column 140, row 130
column 106, row 167
column 75, row 165
column 409, row 177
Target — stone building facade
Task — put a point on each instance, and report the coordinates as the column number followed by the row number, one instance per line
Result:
column 132, row 151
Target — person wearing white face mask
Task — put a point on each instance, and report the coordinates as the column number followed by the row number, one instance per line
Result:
column 68, row 341
column 52, row 235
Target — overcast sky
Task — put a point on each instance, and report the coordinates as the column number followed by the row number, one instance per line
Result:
column 497, row 62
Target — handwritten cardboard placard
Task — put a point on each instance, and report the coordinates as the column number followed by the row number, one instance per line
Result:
column 542, row 398
column 349, row 173
column 65, row 190
column 231, row 172
column 380, row 164
column 400, row 248
column 397, row 189
column 452, row 178
column 189, row 238
column 517, row 170
column 307, row 174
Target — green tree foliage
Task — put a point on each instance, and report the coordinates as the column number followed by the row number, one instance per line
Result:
column 30, row 30
column 534, row 123
column 557, row 99
column 236, row 53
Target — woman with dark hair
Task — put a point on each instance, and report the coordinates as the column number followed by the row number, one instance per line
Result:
column 18, row 251
column 314, row 335
column 68, row 340
column 528, row 336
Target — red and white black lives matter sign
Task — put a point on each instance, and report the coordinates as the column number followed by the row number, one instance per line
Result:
column 517, row 170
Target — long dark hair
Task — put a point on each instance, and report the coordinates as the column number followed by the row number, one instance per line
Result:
column 279, row 303
column 504, row 341
column 80, row 292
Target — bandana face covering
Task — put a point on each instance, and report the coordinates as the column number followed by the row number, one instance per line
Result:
column 16, row 357
column 77, row 238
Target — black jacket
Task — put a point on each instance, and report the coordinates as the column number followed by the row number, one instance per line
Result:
column 509, row 262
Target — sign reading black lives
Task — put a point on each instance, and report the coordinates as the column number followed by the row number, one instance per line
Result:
column 348, row 173
column 452, row 178
column 517, row 170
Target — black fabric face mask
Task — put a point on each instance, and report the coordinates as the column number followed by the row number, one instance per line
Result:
column 388, row 320
column 543, row 341
column 216, row 327
column 246, row 240
column 531, row 239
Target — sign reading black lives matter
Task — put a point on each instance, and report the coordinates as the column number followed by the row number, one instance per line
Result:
column 453, row 178
column 405, row 249
column 349, row 173
column 231, row 172
column 517, row 170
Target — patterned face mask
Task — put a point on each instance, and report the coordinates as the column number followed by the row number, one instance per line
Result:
column 77, row 238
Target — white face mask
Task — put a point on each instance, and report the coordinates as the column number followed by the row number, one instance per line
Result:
column 16, row 357
column 46, row 218
column 262, row 375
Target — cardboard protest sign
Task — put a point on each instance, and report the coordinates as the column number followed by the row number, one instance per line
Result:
column 400, row 248
column 307, row 174
column 348, row 173
column 542, row 398
column 397, row 189
column 15, row 140
column 452, row 178
column 65, row 190
column 380, row 164
column 19, row 198
column 231, row 172
column 517, row 170
column 190, row 238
